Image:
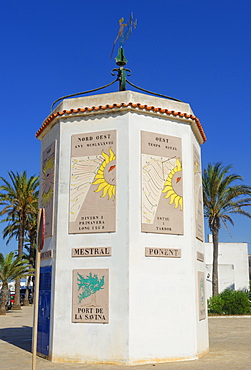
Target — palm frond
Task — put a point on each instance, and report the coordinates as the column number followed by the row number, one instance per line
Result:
column 222, row 196
column 19, row 204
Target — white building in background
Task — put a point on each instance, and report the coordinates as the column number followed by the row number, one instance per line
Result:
column 233, row 266
column 249, row 264
column 11, row 285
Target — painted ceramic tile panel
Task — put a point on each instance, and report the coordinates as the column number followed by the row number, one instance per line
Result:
column 47, row 186
column 201, row 295
column 162, row 179
column 198, row 196
column 93, row 183
column 90, row 296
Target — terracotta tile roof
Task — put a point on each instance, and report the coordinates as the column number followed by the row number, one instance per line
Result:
column 47, row 122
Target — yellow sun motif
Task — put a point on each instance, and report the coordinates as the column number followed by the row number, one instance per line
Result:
column 196, row 167
column 46, row 197
column 106, row 175
column 47, row 181
column 173, row 186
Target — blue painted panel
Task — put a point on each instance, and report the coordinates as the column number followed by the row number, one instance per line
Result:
column 44, row 307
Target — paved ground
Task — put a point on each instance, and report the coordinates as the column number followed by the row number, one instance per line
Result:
column 230, row 347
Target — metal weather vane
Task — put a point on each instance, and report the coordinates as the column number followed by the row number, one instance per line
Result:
column 123, row 33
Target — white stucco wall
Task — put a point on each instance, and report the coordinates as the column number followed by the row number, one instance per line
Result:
column 233, row 266
column 153, row 302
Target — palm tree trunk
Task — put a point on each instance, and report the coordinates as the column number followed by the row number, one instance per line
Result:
column 17, row 305
column 215, row 279
column 4, row 298
column 26, row 298
column 27, row 292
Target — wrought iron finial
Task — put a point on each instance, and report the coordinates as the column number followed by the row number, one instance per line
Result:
column 121, row 61
column 120, row 58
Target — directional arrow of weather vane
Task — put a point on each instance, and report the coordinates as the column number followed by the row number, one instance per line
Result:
column 124, row 32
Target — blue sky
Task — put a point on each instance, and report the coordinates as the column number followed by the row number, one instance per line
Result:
column 196, row 51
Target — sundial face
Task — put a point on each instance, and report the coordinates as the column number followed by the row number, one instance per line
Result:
column 47, row 181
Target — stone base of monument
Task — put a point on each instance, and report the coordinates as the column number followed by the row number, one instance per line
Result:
column 123, row 263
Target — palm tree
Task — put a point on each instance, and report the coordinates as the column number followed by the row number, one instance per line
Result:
column 222, row 198
column 11, row 230
column 11, row 269
column 19, row 200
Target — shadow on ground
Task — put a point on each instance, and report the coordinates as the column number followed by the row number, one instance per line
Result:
column 19, row 337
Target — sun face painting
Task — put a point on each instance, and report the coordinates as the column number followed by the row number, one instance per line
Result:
column 93, row 183
column 162, row 184
column 198, row 196
column 47, row 186
column 173, row 186
column 47, row 181
column 106, row 176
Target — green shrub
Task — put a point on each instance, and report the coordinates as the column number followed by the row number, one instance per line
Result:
column 230, row 302
column 215, row 305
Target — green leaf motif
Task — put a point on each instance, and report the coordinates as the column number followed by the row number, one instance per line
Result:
column 89, row 285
